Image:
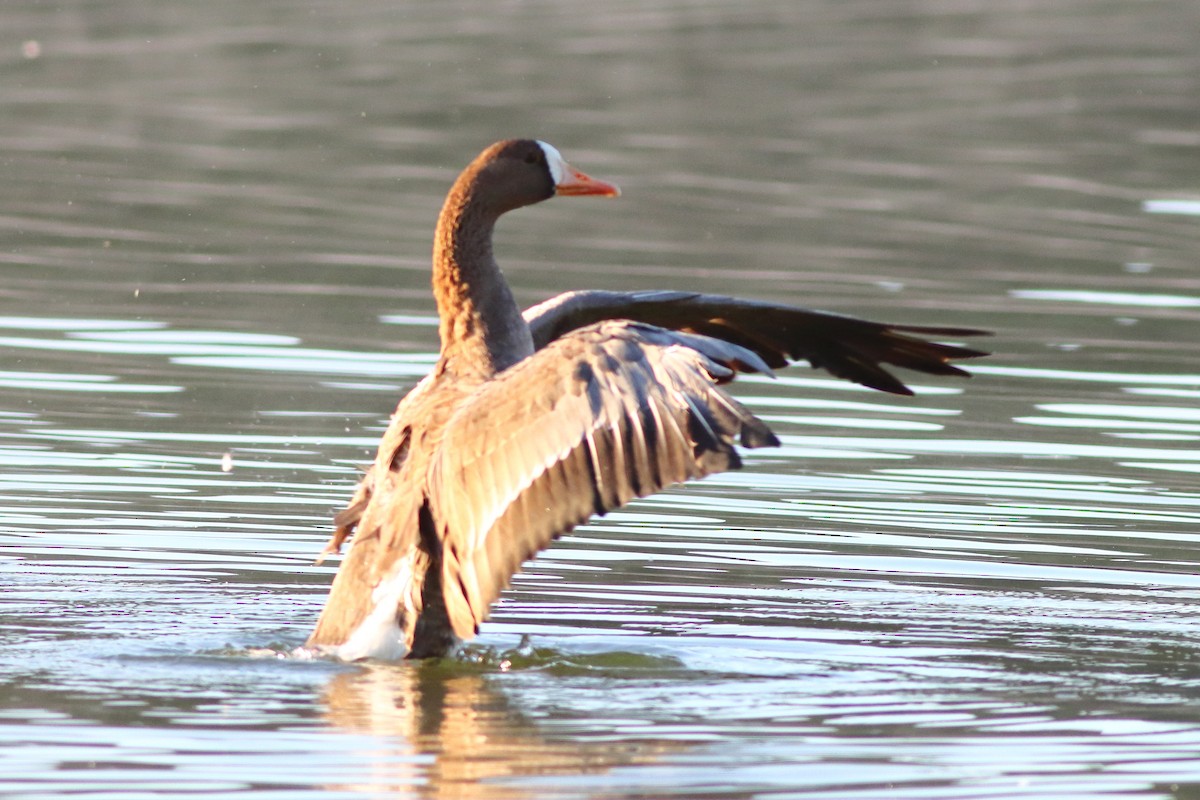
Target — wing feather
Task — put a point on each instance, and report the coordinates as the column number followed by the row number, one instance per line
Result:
column 610, row 412
column 846, row 347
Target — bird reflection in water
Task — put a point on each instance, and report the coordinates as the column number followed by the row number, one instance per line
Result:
column 456, row 735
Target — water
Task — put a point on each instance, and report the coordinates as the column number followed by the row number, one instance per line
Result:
column 215, row 228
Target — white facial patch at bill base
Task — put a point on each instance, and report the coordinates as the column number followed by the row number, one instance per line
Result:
column 554, row 160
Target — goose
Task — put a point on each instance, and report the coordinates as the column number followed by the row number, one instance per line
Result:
column 532, row 422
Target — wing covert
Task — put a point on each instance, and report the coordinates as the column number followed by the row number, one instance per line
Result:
column 608, row 413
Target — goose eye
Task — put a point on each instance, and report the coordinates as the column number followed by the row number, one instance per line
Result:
column 531, row 158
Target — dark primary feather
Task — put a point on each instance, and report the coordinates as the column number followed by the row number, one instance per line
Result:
column 844, row 346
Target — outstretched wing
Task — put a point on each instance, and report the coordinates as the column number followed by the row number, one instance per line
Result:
column 847, row 347
column 607, row 413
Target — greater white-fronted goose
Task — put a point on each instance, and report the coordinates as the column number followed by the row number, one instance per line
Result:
column 531, row 423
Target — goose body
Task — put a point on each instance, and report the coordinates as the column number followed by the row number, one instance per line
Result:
column 532, row 422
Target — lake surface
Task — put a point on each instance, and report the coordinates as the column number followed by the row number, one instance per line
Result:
column 216, row 225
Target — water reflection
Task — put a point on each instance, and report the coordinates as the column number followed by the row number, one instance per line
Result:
column 437, row 732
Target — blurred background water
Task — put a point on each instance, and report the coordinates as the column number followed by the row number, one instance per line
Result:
column 215, row 231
